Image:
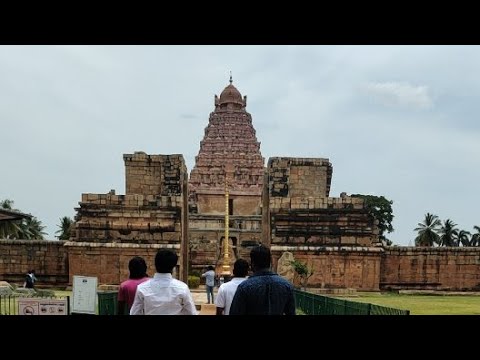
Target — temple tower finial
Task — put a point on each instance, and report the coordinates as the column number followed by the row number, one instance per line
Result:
column 231, row 80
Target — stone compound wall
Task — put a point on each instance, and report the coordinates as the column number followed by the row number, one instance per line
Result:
column 431, row 268
column 300, row 211
column 337, row 267
column 363, row 268
column 109, row 262
column 49, row 259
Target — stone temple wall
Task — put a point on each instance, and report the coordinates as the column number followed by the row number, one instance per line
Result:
column 337, row 267
column 445, row 268
column 109, row 262
column 154, row 211
column 143, row 215
column 141, row 219
column 301, row 213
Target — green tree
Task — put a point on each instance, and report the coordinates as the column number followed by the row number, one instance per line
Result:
column 65, row 228
column 381, row 209
column 6, row 204
column 427, row 231
column 448, row 233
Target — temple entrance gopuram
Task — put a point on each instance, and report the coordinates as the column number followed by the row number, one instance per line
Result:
column 229, row 150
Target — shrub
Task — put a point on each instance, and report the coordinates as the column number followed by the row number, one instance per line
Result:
column 302, row 271
column 44, row 293
column 193, row 282
column 195, row 273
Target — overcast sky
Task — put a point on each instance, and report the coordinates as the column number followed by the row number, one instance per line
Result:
column 397, row 121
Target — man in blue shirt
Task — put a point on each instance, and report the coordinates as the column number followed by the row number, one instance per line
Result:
column 265, row 292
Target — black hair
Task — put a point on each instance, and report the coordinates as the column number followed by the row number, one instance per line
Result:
column 165, row 261
column 260, row 257
column 240, row 268
column 137, row 267
column 210, row 267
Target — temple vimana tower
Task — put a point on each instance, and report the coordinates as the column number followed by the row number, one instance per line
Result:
column 284, row 203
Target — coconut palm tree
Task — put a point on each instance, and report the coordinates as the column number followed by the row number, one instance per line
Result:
column 65, row 228
column 475, row 240
column 31, row 228
column 27, row 228
column 448, row 233
column 9, row 229
column 427, row 231
column 463, row 238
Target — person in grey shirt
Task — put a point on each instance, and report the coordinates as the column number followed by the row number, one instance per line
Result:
column 209, row 276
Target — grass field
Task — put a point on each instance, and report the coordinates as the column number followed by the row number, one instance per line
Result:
column 424, row 304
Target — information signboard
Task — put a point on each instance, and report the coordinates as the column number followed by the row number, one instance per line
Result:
column 41, row 306
column 84, row 294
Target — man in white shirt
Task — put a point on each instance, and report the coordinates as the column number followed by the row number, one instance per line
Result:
column 227, row 290
column 163, row 295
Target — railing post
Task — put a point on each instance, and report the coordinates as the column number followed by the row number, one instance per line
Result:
column 312, row 310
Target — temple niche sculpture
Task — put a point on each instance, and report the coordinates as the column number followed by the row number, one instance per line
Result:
column 285, row 267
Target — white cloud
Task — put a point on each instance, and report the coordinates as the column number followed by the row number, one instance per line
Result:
column 400, row 94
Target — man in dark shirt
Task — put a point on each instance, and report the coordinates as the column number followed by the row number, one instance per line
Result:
column 265, row 292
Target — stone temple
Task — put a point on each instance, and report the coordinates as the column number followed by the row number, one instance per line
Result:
column 284, row 203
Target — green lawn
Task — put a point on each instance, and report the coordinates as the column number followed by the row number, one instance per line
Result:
column 424, row 304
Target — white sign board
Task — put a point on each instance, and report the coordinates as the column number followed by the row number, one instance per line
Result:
column 84, row 294
column 39, row 306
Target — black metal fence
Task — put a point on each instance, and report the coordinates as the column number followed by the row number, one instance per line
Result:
column 313, row 304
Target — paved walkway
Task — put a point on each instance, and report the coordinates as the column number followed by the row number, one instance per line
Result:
column 200, row 297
